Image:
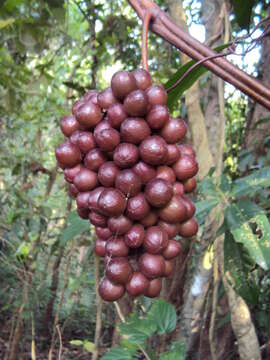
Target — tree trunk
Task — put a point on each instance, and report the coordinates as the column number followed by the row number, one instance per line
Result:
column 207, row 131
column 255, row 134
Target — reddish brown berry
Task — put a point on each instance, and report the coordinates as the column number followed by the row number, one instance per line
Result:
column 137, row 207
column 116, row 115
column 158, row 116
column 175, row 211
column 109, row 291
column 69, row 124
column 155, row 240
column 135, row 103
column 86, row 141
column 118, row 270
column 172, row 250
column 137, row 285
column 173, row 153
column 156, row 95
column 158, row 192
column 94, row 159
column 106, row 98
column 68, row 154
column 154, row 288
column 112, row 202
column 152, row 266
column 107, row 174
column 122, row 84
column 143, row 79
column 86, row 180
column 166, row 173
column 186, row 167
column 144, row 171
column 108, row 139
column 100, row 247
column 126, row 155
column 134, row 130
column 116, row 247
column 190, row 185
column 189, row 228
column 89, row 114
column 174, row 130
column 135, row 236
column 128, row 182
column 153, row 150
column 119, row 225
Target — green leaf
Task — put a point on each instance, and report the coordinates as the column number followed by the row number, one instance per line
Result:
column 23, row 250
column 188, row 81
column 177, row 351
column 118, row 353
column 6, row 22
column 164, row 315
column 88, row 346
column 76, row 226
column 137, row 330
column 76, row 342
column 256, row 242
column 238, row 263
column 252, row 183
column 207, row 186
column 242, row 10
column 204, row 207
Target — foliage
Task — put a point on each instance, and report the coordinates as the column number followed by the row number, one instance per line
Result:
column 141, row 328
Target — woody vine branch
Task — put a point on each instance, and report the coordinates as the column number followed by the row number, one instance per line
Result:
column 165, row 27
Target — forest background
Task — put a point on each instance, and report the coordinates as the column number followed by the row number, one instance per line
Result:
column 53, row 51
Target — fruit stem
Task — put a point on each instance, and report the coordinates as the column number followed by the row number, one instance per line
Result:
column 146, row 20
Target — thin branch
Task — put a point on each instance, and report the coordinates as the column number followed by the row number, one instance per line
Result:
column 119, row 312
column 60, row 342
column 33, row 347
column 214, row 308
column 50, row 357
column 146, row 21
column 99, row 310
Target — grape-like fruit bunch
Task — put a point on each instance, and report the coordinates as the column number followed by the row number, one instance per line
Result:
column 129, row 173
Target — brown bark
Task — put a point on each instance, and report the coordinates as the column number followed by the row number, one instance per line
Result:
column 207, row 130
column 18, row 328
column 243, row 327
column 48, row 319
column 214, row 19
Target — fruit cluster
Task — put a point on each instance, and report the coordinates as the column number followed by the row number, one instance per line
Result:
column 129, row 174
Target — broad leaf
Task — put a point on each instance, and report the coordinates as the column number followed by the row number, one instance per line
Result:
column 137, row 330
column 242, row 10
column 256, row 242
column 118, row 353
column 6, row 22
column 177, row 351
column 76, row 226
column 188, row 81
column 238, row 264
column 252, row 183
column 204, row 207
column 89, row 346
column 164, row 315
column 76, row 342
